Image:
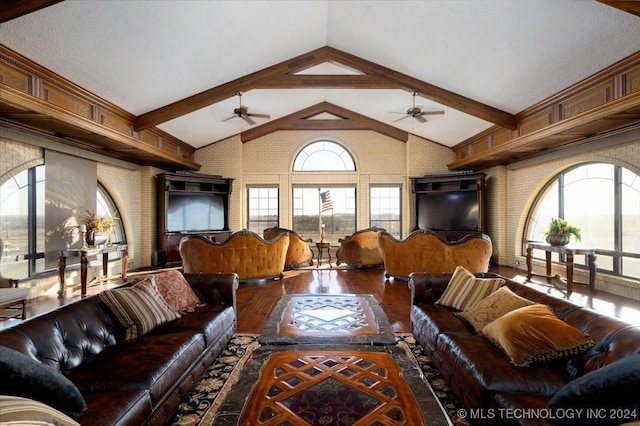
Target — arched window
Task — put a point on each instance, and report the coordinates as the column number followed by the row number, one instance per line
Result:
column 22, row 222
column 323, row 156
column 603, row 200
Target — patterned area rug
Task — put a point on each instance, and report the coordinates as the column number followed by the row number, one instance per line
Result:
column 201, row 405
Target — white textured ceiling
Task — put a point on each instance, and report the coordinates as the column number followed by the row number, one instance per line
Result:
column 142, row 55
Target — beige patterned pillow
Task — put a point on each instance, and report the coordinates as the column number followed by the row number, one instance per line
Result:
column 140, row 308
column 465, row 290
column 492, row 307
column 15, row 410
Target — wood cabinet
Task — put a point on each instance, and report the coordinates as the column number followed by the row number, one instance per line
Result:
column 190, row 204
column 450, row 204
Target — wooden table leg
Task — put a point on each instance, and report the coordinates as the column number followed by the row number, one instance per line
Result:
column 547, row 255
column 62, row 264
column 592, row 272
column 125, row 263
column 105, row 265
column 84, row 262
column 529, row 270
column 569, row 272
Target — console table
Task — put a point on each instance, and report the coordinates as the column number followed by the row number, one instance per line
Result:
column 84, row 263
column 323, row 246
column 569, row 252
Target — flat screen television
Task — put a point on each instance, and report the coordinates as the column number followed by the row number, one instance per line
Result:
column 448, row 211
column 190, row 212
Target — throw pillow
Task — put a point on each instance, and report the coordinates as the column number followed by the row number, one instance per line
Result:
column 25, row 377
column 139, row 309
column 465, row 290
column 534, row 334
column 493, row 307
column 176, row 291
column 22, row 411
column 612, row 389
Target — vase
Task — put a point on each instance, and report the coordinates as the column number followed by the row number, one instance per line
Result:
column 558, row 240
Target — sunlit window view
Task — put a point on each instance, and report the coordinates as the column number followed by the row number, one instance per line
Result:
column 323, row 156
column 385, row 209
column 311, row 211
column 22, row 222
column 262, row 209
column 603, row 200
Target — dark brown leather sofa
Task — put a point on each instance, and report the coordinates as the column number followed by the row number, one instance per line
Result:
column 480, row 374
column 139, row 382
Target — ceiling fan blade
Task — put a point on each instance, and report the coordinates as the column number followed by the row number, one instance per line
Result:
column 401, row 118
column 396, row 112
column 246, row 118
column 229, row 118
column 259, row 115
column 432, row 113
column 420, row 118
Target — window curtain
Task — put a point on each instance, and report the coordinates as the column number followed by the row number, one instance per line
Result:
column 70, row 191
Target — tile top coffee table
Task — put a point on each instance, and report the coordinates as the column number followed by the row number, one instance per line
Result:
column 341, row 385
column 316, row 318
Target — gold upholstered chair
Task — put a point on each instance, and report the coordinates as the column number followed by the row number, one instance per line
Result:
column 299, row 253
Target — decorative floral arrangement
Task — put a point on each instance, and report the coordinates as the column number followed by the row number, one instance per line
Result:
column 96, row 223
column 559, row 226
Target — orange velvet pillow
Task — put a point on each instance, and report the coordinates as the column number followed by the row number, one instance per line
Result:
column 534, row 334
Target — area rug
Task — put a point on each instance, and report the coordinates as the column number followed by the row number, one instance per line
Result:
column 200, row 406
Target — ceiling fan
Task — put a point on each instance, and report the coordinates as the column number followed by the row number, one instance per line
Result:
column 242, row 112
column 416, row 112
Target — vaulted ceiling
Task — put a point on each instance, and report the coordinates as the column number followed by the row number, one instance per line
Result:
column 178, row 65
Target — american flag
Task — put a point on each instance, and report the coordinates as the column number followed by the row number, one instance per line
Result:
column 326, row 201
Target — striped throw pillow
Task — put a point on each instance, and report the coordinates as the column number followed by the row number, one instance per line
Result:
column 140, row 308
column 16, row 410
column 465, row 290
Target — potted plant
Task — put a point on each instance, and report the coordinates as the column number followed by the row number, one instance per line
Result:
column 560, row 232
column 100, row 225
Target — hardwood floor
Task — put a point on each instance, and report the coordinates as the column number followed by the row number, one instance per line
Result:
column 256, row 300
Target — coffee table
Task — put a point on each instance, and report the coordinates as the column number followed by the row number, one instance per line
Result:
column 339, row 385
column 325, row 318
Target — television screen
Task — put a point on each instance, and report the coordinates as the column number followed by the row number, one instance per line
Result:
column 195, row 212
column 448, row 211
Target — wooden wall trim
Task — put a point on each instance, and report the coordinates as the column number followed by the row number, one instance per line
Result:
column 35, row 97
column 548, row 123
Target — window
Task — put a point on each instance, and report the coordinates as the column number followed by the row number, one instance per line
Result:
column 604, row 201
column 323, row 156
column 385, row 209
column 339, row 220
column 262, row 209
column 22, row 222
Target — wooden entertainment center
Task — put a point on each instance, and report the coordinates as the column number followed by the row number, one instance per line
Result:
column 190, row 204
column 450, row 204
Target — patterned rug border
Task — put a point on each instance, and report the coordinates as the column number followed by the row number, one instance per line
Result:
column 201, row 405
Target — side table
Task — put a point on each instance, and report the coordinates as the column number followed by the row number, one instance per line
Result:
column 323, row 246
column 569, row 252
column 84, row 263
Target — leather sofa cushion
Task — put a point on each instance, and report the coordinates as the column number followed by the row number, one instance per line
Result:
column 155, row 363
column 429, row 321
column 515, row 402
column 484, row 366
column 125, row 407
column 210, row 320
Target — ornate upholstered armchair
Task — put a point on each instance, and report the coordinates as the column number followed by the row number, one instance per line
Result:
column 361, row 249
column 299, row 253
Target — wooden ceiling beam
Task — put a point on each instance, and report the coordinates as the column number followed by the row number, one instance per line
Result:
column 630, row 6
column 303, row 120
column 322, row 81
column 283, row 75
column 227, row 90
column 437, row 94
column 11, row 9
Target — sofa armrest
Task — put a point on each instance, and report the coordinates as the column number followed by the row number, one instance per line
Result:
column 427, row 288
column 214, row 288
